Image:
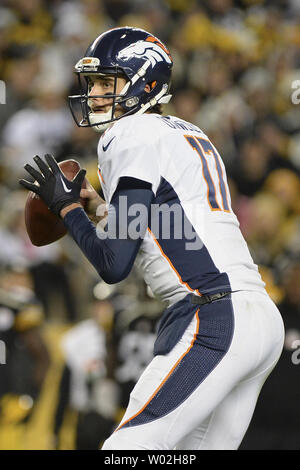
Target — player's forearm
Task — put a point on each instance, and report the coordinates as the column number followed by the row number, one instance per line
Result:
column 93, row 217
column 97, row 251
column 69, row 208
column 111, row 255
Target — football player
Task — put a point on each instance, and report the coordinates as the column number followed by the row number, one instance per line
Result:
column 220, row 335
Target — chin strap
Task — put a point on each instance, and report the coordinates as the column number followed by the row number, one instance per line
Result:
column 96, row 118
column 160, row 98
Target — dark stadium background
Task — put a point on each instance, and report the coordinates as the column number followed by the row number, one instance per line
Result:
column 236, row 69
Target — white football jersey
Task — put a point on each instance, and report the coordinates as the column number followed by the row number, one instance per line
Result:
column 204, row 251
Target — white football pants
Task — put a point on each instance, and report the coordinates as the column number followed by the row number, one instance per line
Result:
column 217, row 412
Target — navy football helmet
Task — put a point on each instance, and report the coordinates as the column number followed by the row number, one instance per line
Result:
column 133, row 54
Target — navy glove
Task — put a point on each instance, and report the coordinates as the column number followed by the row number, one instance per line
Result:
column 54, row 188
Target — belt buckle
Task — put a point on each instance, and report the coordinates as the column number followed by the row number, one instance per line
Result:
column 201, row 300
column 208, row 299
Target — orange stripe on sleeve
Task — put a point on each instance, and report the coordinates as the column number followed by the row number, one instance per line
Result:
column 101, row 177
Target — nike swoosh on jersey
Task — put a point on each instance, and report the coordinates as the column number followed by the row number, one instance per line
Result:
column 64, row 186
column 105, row 147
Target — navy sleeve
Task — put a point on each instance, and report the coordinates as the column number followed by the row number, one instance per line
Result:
column 113, row 253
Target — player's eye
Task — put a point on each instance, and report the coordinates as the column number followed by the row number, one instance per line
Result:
column 107, row 85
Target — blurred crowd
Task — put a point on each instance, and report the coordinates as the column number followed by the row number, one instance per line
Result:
column 74, row 345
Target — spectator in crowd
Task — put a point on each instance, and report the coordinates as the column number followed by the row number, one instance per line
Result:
column 85, row 386
column 26, row 357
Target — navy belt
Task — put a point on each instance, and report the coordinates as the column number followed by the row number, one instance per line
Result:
column 207, row 299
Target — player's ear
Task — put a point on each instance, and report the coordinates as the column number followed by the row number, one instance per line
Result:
column 150, row 86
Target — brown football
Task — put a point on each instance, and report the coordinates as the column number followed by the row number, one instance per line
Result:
column 43, row 226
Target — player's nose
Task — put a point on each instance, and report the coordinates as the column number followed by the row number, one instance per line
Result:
column 96, row 95
column 97, row 90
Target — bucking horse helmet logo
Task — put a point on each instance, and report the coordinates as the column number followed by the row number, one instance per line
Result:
column 151, row 49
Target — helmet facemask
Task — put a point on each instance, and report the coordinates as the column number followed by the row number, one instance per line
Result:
column 82, row 105
column 82, row 112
